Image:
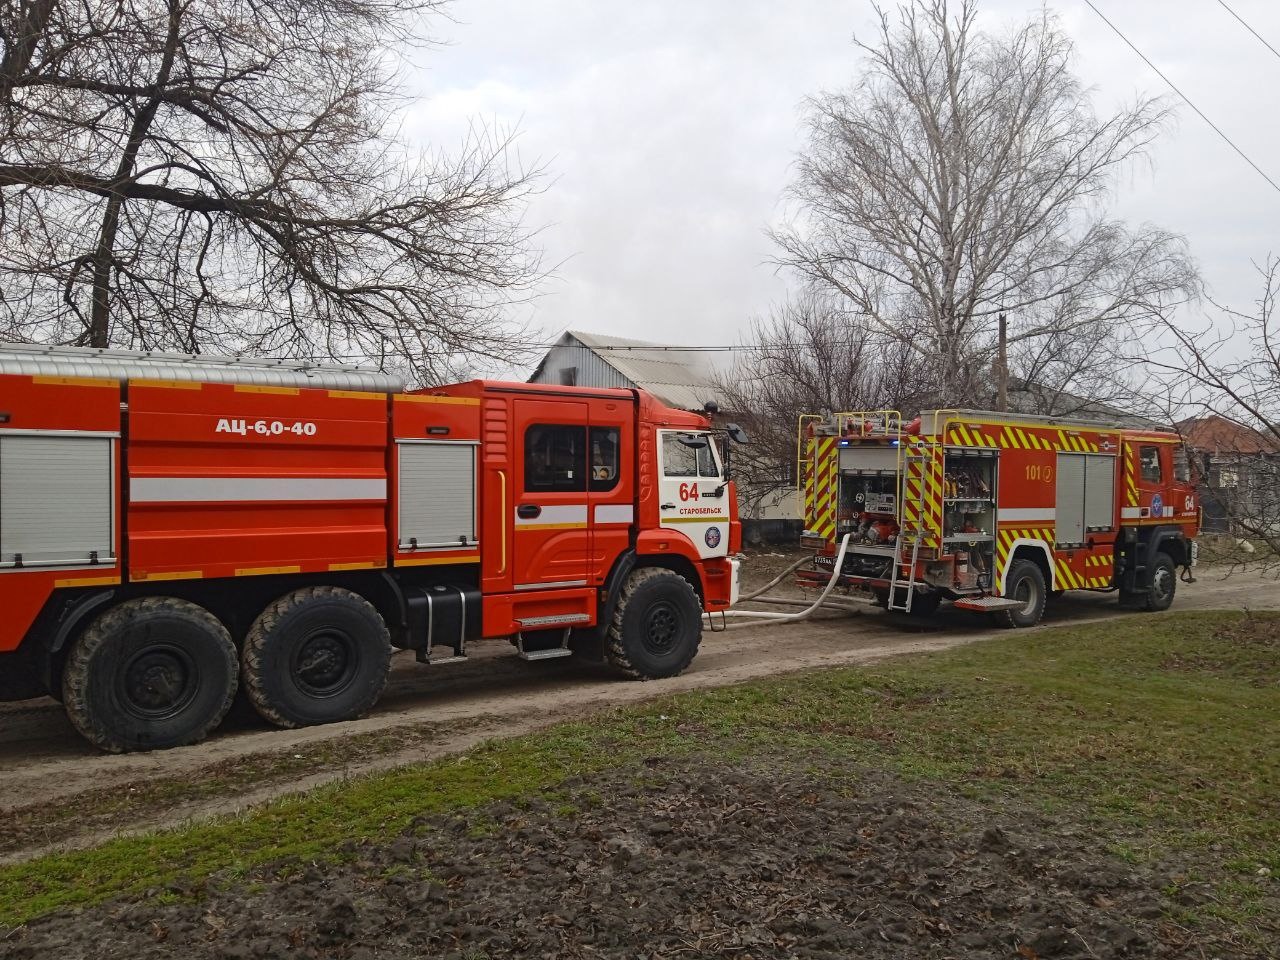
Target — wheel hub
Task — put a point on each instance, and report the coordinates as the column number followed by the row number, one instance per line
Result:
column 324, row 664
column 157, row 682
column 662, row 627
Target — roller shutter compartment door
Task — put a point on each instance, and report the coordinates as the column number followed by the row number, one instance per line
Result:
column 437, row 494
column 1100, row 492
column 1070, row 506
column 55, row 500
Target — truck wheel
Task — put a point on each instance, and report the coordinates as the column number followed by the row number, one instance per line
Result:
column 316, row 655
column 922, row 604
column 656, row 626
column 1025, row 583
column 1163, row 585
column 150, row 674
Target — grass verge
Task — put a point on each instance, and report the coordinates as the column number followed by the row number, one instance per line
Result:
column 1160, row 733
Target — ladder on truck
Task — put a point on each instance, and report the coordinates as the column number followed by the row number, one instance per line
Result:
column 916, row 460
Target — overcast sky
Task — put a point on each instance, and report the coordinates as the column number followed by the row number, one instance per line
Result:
column 668, row 130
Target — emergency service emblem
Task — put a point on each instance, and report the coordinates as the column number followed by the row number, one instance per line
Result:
column 712, row 537
column 1157, row 506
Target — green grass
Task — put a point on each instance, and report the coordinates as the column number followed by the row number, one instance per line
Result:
column 1163, row 733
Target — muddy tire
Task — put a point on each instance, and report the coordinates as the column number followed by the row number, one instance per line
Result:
column 150, row 674
column 657, row 625
column 316, row 655
column 922, row 604
column 1025, row 582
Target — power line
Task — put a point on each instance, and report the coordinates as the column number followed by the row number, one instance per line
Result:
column 1174, row 87
column 1261, row 39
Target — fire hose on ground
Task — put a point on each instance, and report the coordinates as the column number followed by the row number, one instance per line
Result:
column 767, row 616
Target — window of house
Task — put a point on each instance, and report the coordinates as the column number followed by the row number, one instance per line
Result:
column 1149, row 460
column 555, row 458
column 688, row 455
column 568, row 376
column 605, row 458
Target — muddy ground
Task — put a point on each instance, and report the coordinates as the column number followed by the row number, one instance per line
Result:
column 778, row 856
column 60, row 793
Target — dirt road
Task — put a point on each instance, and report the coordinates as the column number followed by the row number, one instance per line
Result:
column 47, row 769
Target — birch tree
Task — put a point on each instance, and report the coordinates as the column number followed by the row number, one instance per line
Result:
column 966, row 174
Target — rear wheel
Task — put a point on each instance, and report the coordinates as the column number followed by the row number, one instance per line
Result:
column 316, row 655
column 657, row 625
column 1024, row 583
column 922, row 604
column 150, row 674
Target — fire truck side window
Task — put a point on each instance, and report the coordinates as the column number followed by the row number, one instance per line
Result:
column 604, row 458
column 680, row 459
column 1149, row 457
column 555, row 459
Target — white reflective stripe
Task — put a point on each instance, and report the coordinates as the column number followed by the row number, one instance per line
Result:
column 1027, row 514
column 615, row 513
column 1130, row 513
column 240, row 489
column 561, row 513
column 551, row 584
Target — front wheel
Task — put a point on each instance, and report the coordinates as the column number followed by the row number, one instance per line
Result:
column 657, row 625
column 1024, row 583
column 1162, row 586
column 316, row 655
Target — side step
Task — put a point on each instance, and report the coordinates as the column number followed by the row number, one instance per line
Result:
column 988, row 604
column 549, row 653
column 555, row 620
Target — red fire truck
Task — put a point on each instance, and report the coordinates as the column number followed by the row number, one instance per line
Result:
column 173, row 528
column 995, row 512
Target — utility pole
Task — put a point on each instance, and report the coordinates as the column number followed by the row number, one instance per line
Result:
column 1002, row 374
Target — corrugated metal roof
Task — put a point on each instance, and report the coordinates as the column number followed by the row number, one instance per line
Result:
column 122, row 365
column 678, row 379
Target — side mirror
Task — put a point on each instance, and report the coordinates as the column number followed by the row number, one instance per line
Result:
column 736, row 433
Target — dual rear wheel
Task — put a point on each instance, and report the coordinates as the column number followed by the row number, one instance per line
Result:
column 161, row 672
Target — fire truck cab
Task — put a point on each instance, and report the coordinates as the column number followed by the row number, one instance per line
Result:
column 995, row 512
column 174, row 528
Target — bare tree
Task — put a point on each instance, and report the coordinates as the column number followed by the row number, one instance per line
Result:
column 196, row 174
column 1222, row 380
column 965, row 175
column 809, row 356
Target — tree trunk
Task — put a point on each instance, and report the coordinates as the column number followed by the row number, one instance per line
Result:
column 99, row 332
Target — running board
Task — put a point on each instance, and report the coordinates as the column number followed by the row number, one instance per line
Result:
column 989, row 604
column 549, row 654
column 555, row 620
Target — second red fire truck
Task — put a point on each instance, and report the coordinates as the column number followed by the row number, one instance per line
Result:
column 175, row 528
column 995, row 512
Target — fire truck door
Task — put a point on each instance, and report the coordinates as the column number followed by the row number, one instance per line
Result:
column 693, row 496
column 551, row 535
column 611, row 491
column 1149, row 471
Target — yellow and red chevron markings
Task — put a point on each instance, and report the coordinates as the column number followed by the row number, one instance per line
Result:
column 820, row 491
column 1011, row 437
column 922, row 500
column 1099, row 567
column 1130, row 472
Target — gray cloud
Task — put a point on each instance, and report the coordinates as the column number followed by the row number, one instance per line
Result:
column 668, row 129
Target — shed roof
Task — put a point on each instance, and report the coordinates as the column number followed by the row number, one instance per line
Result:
column 677, row 377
